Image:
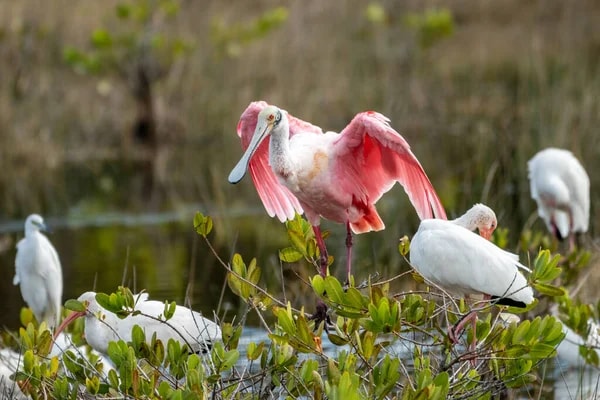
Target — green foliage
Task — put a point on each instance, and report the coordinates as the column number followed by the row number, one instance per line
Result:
column 296, row 331
column 428, row 386
column 302, row 243
column 404, row 246
column 121, row 303
column 431, row 26
column 375, row 13
column 229, row 40
column 202, row 224
column 131, row 37
column 546, row 270
column 371, row 323
column 583, row 319
column 243, row 280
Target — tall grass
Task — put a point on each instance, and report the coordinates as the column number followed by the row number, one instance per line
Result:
column 515, row 77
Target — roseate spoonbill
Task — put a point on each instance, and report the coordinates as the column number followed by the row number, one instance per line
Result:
column 561, row 188
column 464, row 263
column 38, row 272
column 339, row 177
column 186, row 326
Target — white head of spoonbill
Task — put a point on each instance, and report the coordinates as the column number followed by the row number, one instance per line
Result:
column 270, row 119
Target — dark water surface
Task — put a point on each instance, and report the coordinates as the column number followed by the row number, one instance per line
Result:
column 158, row 252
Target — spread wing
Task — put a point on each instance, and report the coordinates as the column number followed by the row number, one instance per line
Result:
column 375, row 157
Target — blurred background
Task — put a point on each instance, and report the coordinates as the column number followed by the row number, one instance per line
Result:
column 118, row 122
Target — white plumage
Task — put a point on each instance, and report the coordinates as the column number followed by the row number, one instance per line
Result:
column 464, row 263
column 561, row 188
column 186, row 326
column 38, row 272
column 568, row 350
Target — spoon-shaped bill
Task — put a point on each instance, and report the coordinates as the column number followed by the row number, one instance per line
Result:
column 262, row 131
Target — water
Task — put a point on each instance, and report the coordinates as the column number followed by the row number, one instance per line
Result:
column 159, row 252
column 577, row 383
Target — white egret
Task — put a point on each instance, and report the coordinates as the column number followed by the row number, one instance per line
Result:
column 38, row 272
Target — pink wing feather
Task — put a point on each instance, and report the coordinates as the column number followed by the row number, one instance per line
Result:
column 276, row 198
column 375, row 157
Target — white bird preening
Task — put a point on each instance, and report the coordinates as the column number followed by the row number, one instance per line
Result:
column 464, row 263
column 479, row 217
column 561, row 188
column 339, row 177
column 186, row 326
column 38, row 272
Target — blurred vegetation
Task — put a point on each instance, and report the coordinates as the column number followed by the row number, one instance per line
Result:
column 476, row 91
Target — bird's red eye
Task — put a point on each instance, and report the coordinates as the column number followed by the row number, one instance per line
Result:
column 271, row 117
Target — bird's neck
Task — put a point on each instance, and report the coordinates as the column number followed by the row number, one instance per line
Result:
column 280, row 157
column 31, row 232
column 466, row 221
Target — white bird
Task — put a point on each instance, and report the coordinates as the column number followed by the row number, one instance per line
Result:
column 479, row 217
column 63, row 342
column 464, row 263
column 186, row 326
column 568, row 350
column 38, row 272
column 561, row 188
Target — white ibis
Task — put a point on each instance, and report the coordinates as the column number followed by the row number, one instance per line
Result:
column 38, row 272
column 464, row 263
column 561, row 188
column 186, row 326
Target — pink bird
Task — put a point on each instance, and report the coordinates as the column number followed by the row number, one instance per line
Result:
column 338, row 177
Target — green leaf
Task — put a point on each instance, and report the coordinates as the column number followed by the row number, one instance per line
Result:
column 337, row 340
column 202, row 224
column 404, row 245
column 290, row 255
column 375, row 13
column 334, row 290
column 137, row 336
column 101, row 39
column 541, row 350
column 253, row 351
column 285, row 319
column 297, row 240
column 123, row 11
column 75, row 305
column 28, row 361
column 520, row 332
column 230, row 359
column 355, row 299
column 548, row 290
column 318, row 284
